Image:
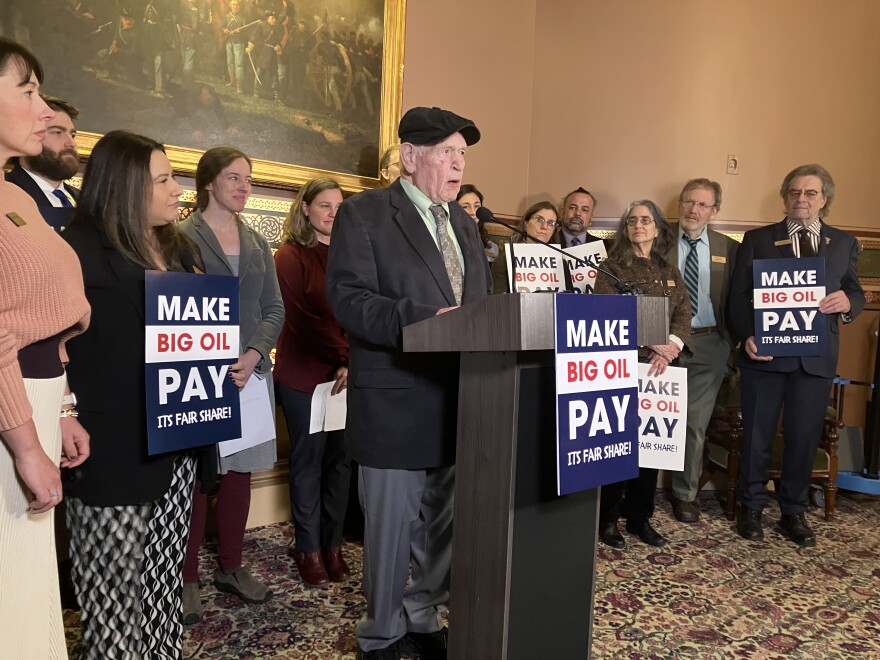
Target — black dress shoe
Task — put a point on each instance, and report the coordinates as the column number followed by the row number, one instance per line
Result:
column 749, row 524
column 686, row 512
column 424, row 646
column 388, row 653
column 647, row 533
column 797, row 529
column 610, row 535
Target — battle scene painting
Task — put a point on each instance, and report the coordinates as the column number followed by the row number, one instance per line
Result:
column 294, row 82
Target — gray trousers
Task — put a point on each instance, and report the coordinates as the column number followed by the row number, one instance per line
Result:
column 705, row 372
column 407, row 534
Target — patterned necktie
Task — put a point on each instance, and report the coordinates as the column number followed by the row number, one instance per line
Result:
column 806, row 244
column 64, row 201
column 575, row 241
column 692, row 274
column 447, row 249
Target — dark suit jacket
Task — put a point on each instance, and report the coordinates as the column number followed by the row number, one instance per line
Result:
column 723, row 250
column 588, row 238
column 841, row 255
column 106, row 371
column 57, row 217
column 385, row 272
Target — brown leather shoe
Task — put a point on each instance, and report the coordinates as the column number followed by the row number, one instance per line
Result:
column 335, row 564
column 311, row 568
column 686, row 512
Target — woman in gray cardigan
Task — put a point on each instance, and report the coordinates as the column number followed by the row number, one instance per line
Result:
column 229, row 247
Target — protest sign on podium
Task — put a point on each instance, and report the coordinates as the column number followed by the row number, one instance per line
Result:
column 597, row 417
column 506, row 465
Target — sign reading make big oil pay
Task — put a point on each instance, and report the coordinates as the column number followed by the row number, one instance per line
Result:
column 787, row 316
column 192, row 339
column 597, row 420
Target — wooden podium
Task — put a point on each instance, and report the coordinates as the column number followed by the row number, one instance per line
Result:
column 523, row 562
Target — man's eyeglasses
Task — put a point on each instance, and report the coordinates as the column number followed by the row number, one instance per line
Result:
column 701, row 206
column 632, row 222
column 538, row 220
column 796, row 194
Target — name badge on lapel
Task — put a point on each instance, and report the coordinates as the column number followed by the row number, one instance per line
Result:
column 787, row 241
column 17, row 220
column 670, row 282
column 718, row 259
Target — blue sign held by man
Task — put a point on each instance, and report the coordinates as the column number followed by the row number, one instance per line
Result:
column 192, row 339
column 787, row 316
column 597, row 420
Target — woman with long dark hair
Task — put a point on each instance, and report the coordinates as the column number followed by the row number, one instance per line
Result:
column 128, row 512
column 470, row 199
column 230, row 247
column 42, row 305
column 312, row 349
column 638, row 255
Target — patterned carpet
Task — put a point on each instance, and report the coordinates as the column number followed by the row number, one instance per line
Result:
column 708, row 594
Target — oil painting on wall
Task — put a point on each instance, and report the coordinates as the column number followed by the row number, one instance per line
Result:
column 299, row 85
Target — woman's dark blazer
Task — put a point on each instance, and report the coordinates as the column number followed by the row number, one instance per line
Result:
column 107, row 374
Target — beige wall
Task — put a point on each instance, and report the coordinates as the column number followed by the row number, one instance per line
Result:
column 632, row 97
column 476, row 57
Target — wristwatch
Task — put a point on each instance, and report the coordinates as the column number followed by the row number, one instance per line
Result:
column 69, row 400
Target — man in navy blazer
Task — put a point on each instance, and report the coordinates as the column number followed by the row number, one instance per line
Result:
column 399, row 255
column 800, row 385
column 42, row 177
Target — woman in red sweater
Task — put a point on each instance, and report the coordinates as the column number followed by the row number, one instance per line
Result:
column 312, row 349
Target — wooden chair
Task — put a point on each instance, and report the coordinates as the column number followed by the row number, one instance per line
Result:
column 724, row 439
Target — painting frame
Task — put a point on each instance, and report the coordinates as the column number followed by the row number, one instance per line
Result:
column 291, row 176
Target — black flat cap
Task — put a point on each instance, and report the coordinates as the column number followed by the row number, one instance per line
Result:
column 433, row 125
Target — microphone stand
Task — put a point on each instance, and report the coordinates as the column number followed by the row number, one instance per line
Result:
column 624, row 288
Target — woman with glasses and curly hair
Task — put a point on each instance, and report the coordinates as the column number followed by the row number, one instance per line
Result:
column 638, row 256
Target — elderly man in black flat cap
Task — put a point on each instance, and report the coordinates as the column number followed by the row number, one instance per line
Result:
column 399, row 255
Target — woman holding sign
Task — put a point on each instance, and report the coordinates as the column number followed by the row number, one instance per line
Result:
column 42, row 305
column 128, row 512
column 638, row 257
column 539, row 221
column 313, row 349
column 230, row 247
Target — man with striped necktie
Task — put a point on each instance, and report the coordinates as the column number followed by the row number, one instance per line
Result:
column 705, row 258
column 797, row 386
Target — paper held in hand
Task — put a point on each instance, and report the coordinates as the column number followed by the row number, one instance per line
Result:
column 257, row 420
column 328, row 411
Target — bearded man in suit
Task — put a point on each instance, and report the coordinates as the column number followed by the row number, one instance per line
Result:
column 43, row 177
column 399, row 255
